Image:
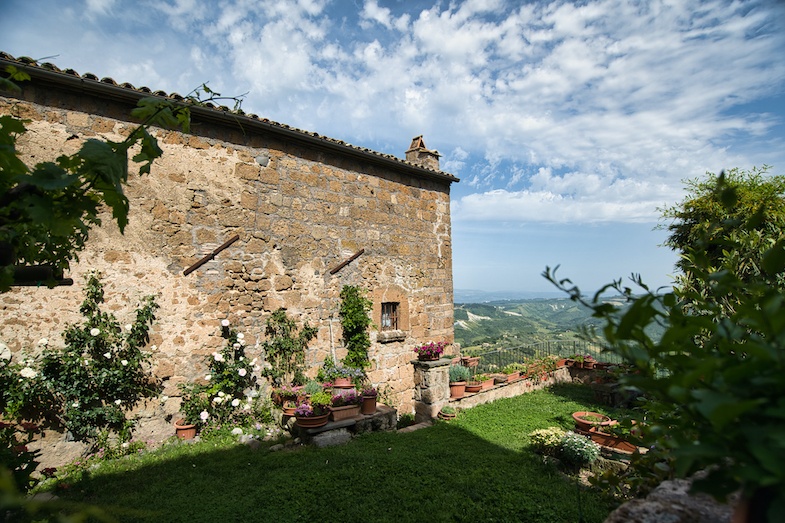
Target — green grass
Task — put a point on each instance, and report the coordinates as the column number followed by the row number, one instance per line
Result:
column 477, row 468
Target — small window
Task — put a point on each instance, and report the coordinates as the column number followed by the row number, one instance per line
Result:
column 389, row 316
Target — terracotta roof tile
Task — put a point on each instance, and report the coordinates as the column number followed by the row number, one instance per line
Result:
column 30, row 62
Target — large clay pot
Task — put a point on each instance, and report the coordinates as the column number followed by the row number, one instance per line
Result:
column 585, row 421
column 473, row 386
column 312, row 422
column 457, row 389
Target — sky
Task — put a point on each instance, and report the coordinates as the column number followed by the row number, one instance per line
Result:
column 570, row 124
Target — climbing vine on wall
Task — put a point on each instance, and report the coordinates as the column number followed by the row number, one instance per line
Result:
column 355, row 321
column 285, row 349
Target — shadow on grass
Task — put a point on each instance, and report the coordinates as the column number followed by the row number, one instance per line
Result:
column 447, row 472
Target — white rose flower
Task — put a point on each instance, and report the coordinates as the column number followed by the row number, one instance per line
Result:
column 208, row 378
column 240, row 335
column 242, row 342
column 242, row 372
column 164, row 398
column 28, row 372
column 236, row 345
column 5, row 352
column 221, row 393
column 95, row 331
column 43, row 341
column 235, row 402
column 107, row 355
column 237, row 431
column 75, row 404
column 217, row 399
column 154, row 347
column 124, row 362
column 224, row 323
column 117, row 402
column 204, row 415
column 217, row 356
column 128, row 327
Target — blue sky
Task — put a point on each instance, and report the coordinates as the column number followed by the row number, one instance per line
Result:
column 569, row 123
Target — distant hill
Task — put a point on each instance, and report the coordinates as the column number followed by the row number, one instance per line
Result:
column 508, row 323
column 477, row 296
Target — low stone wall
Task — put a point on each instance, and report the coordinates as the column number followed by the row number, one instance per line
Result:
column 432, row 388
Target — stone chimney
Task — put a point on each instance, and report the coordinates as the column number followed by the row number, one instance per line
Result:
column 419, row 155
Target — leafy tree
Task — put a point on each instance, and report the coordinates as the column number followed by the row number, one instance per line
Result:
column 713, row 386
column 742, row 212
column 46, row 211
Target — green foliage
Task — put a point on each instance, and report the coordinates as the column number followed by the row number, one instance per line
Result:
column 89, row 385
column 285, row 349
column 230, row 396
column 713, row 385
column 459, row 373
column 47, row 210
column 355, row 321
column 15, row 456
column 743, row 215
column 577, row 451
column 547, row 441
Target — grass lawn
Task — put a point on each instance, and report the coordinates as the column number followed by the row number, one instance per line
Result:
column 477, row 468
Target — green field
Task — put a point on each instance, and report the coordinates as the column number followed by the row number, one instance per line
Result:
column 512, row 323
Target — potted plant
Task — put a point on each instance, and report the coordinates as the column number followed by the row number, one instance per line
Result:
column 486, row 381
column 447, row 412
column 430, row 351
column 458, row 377
column 315, row 413
column 339, row 376
column 585, row 421
column 369, row 395
column 345, row 405
column 512, row 371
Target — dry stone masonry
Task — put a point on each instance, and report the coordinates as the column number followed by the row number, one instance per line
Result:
column 301, row 205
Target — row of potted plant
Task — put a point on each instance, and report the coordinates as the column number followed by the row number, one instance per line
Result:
column 317, row 409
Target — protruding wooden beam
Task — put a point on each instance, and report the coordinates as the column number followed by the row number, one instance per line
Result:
column 210, row 256
column 347, row 261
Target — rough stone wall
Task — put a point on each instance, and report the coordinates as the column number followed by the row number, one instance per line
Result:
column 298, row 217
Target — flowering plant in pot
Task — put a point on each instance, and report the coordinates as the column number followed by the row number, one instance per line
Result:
column 368, row 405
column 313, row 414
column 345, row 399
column 430, row 351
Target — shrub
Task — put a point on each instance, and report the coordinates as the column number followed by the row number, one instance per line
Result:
column 459, row 373
column 355, row 320
column 577, row 451
column 547, row 441
column 231, row 394
column 284, row 349
column 88, row 386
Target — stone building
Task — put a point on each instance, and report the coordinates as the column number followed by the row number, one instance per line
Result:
column 301, row 204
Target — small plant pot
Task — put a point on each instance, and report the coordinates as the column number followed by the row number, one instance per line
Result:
column 368, row 406
column 487, row 384
column 446, row 415
column 342, row 383
column 473, row 386
column 184, row 430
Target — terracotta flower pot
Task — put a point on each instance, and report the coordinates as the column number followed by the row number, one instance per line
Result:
column 342, row 383
column 457, row 389
column 312, row 422
column 368, row 406
column 473, row 386
column 585, row 421
column 487, row 384
column 345, row 412
column 184, row 430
